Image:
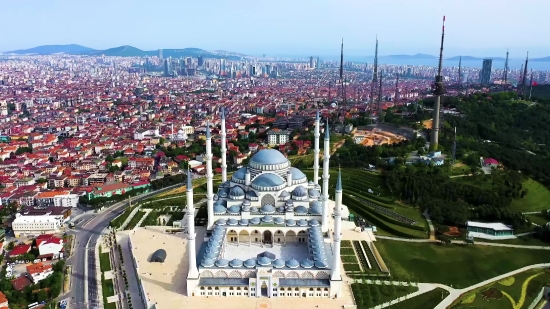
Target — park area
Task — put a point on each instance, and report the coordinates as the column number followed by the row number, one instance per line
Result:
column 514, row 292
column 458, row 266
column 536, row 199
column 366, row 195
column 423, row 301
column 370, row 295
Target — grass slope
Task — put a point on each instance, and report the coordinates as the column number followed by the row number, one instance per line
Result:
column 135, row 219
column 426, row 300
column 457, row 265
column 104, row 262
column 536, row 199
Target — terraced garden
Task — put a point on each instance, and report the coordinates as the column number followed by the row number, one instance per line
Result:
column 423, row 301
column 356, row 184
column 370, row 295
column 515, row 292
column 135, row 219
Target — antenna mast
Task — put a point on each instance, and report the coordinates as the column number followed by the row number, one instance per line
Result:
column 438, row 91
column 506, row 68
column 374, row 75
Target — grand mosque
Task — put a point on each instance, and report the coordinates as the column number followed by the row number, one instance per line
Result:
column 271, row 232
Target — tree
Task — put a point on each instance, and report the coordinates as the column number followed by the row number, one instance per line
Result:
column 42, row 180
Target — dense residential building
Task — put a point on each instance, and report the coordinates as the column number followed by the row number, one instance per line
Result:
column 39, row 271
column 277, row 137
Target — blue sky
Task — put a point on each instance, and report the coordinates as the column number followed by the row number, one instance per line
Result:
column 284, row 27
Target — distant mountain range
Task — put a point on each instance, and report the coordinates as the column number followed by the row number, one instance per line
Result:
column 125, row 51
column 131, row 51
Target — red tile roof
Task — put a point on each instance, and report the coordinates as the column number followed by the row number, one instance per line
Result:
column 20, row 249
column 20, row 283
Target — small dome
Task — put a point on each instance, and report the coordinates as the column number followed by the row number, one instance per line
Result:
column 315, row 204
column 254, row 220
column 251, row 194
column 278, row 263
column 243, row 222
column 316, row 210
column 281, row 209
column 253, row 209
column 268, row 180
column 236, row 263
column 232, row 222
column 240, row 173
column 292, row 263
column 222, row 263
column 246, row 203
column 314, row 193
column 220, row 222
column 299, row 191
column 289, row 203
column 218, row 209
column 278, row 220
column 216, row 197
column 320, row 264
column 301, row 222
column 290, row 222
column 268, row 209
column 264, row 261
column 300, row 210
column 236, row 191
column 246, row 208
column 210, row 255
column 267, row 219
column 219, row 229
column 307, row 263
column 250, row 263
column 269, row 157
column 313, row 222
column 296, row 174
column 207, row 262
column 284, row 193
column 235, row 209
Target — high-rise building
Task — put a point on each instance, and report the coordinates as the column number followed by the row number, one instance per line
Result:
column 200, row 61
column 160, row 54
column 318, row 64
column 311, row 63
column 166, row 68
column 485, row 75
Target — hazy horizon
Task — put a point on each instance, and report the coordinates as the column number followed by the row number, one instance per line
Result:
column 284, row 27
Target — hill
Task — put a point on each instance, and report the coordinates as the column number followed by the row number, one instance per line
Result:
column 470, row 58
column 416, row 56
column 54, row 49
column 127, row 51
column 544, row 59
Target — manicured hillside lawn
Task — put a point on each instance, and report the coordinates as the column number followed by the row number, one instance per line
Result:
column 538, row 219
column 104, row 262
column 426, row 300
column 457, row 265
column 537, row 198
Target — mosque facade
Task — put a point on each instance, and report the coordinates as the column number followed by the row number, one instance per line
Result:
column 269, row 231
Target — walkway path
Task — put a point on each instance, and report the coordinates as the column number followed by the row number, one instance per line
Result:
column 430, row 224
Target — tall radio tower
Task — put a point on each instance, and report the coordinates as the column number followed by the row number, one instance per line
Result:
column 374, row 76
column 505, row 77
column 524, row 79
column 438, row 91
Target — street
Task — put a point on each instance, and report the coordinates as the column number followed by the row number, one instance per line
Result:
column 84, row 289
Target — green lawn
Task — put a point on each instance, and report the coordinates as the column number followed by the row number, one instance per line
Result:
column 513, row 286
column 528, row 240
column 369, row 295
column 539, row 219
column 104, row 262
column 135, row 219
column 426, row 300
column 459, row 266
column 537, row 198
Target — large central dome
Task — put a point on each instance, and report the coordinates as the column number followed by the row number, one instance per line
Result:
column 268, row 157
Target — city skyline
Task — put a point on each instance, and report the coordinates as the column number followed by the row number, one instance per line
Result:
column 284, row 29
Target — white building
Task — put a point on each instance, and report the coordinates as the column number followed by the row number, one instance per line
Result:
column 268, row 232
column 146, row 133
column 49, row 245
column 36, row 224
column 37, row 272
column 277, row 137
column 66, row 200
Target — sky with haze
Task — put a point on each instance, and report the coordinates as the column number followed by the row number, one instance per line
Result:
column 284, row 27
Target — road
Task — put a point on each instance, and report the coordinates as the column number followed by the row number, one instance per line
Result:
column 84, row 292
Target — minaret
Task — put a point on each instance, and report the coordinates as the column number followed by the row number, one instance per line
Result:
column 224, row 149
column 438, row 91
column 374, row 76
column 335, row 276
column 209, row 178
column 316, row 150
column 193, row 274
column 326, row 176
